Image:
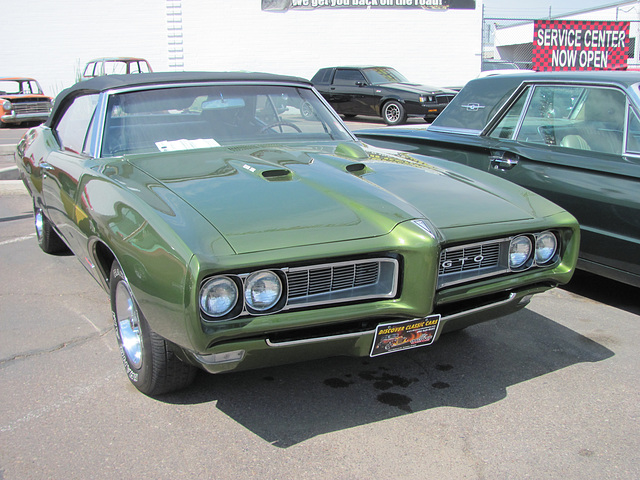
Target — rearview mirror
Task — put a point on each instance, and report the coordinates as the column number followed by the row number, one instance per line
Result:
column 223, row 104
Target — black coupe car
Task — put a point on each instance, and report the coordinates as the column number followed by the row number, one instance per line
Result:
column 380, row 92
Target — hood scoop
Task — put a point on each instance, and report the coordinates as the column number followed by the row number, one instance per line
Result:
column 276, row 174
column 356, row 168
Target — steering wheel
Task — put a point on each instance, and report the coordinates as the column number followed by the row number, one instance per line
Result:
column 547, row 134
column 280, row 124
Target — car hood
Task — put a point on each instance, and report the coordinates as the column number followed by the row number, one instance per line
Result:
column 263, row 198
column 24, row 96
column 417, row 88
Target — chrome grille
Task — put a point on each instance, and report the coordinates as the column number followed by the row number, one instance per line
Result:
column 356, row 280
column 469, row 262
column 443, row 99
column 323, row 279
column 471, row 258
column 30, row 107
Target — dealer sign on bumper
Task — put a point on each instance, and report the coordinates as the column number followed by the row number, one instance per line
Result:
column 392, row 337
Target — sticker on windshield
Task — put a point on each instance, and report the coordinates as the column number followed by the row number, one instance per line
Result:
column 184, row 144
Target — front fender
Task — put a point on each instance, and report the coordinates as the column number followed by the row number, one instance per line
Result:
column 153, row 239
column 385, row 99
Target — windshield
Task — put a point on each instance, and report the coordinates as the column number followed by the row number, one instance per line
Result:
column 19, row 87
column 119, row 67
column 183, row 118
column 380, row 75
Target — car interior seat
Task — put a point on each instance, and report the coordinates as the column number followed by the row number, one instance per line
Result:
column 604, row 118
column 575, row 141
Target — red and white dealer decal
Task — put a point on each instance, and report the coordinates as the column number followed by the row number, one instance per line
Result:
column 580, row 45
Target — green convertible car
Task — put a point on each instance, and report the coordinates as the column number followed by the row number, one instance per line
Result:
column 236, row 223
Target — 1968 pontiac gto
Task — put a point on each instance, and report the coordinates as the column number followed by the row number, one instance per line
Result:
column 236, row 223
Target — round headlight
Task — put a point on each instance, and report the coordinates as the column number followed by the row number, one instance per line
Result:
column 546, row 246
column 218, row 296
column 6, row 105
column 262, row 290
column 519, row 251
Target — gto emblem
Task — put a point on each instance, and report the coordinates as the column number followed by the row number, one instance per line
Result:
column 472, row 107
column 462, row 261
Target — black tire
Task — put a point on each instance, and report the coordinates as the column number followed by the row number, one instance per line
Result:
column 149, row 360
column 48, row 239
column 348, row 116
column 393, row 113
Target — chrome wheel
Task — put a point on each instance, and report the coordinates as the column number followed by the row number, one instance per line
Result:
column 39, row 222
column 128, row 324
column 149, row 360
column 392, row 113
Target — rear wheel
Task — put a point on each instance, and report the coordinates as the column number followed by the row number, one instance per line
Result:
column 48, row 239
column 393, row 113
column 149, row 360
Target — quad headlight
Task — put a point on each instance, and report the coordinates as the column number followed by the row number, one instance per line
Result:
column 262, row 290
column 546, row 247
column 225, row 296
column 519, row 252
column 529, row 250
column 6, row 105
column 218, row 296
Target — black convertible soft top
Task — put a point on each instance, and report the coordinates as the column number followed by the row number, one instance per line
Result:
column 108, row 82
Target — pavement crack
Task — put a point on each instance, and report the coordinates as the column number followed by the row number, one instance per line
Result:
column 4, row 362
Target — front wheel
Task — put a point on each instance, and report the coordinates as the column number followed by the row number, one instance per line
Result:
column 393, row 113
column 149, row 360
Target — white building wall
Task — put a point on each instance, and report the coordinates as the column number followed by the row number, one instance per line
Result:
column 58, row 38
column 54, row 39
column 427, row 46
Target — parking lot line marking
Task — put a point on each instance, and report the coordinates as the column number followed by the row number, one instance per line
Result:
column 18, row 239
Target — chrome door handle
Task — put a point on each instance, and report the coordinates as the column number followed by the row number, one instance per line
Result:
column 503, row 161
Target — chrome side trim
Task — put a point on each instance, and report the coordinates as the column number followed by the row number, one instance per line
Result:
column 318, row 339
column 512, row 295
column 462, row 131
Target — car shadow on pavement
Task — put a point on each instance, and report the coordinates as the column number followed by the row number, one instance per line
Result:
column 603, row 290
column 469, row 369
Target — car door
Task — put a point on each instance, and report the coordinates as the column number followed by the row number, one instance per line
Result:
column 350, row 94
column 577, row 146
column 63, row 169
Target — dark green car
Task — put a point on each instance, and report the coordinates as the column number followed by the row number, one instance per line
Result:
column 236, row 223
column 573, row 137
